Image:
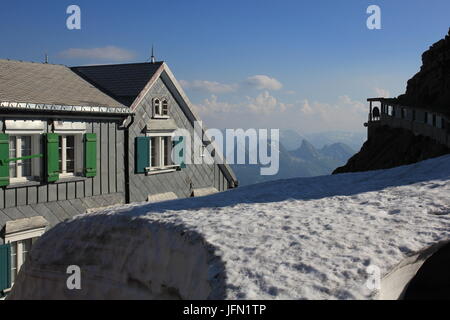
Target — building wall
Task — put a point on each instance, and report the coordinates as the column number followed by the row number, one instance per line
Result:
column 179, row 182
column 418, row 126
column 62, row 199
column 57, row 211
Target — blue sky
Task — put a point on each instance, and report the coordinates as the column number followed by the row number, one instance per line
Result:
column 305, row 65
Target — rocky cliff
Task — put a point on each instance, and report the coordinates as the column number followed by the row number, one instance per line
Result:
column 392, row 147
column 430, row 87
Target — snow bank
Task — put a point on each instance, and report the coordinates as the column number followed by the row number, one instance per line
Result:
column 305, row 238
column 395, row 284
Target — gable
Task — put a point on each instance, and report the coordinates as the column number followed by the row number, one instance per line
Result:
column 122, row 81
column 164, row 85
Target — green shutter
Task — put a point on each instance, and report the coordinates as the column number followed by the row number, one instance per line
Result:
column 142, row 154
column 4, row 155
column 90, row 155
column 52, row 156
column 179, row 151
column 5, row 266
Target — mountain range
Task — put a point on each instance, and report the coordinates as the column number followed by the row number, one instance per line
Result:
column 305, row 161
column 292, row 139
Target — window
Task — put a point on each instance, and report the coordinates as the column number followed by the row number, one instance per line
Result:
column 165, row 108
column 67, row 154
column 13, row 261
column 160, row 151
column 20, row 146
column 153, row 157
column 19, row 236
column 19, row 253
column 391, row 111
column 157, row 107
column 165, row 151
column 160, row 108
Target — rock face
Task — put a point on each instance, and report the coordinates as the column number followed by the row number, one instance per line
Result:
column 389, row 147
column 430, row 87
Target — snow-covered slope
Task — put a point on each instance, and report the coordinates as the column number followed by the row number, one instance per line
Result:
column 305, row 238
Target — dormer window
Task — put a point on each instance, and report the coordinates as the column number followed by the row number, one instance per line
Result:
column 160, row 108
column 165, row 108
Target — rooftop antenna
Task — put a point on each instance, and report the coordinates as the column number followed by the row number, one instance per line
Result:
column 152, row 59
column 46, row 59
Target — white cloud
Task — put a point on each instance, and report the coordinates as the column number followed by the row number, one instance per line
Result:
column 108, row 53
column 260, row 82
column 213, row 106
column 306, row 108
column 265, row 103
column 267, row 111
column 263, row 82
column 383, row 93
column 344, row 114
column 208, row 86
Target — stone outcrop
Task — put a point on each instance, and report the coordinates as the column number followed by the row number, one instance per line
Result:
column 430, row 87
column 392, row 147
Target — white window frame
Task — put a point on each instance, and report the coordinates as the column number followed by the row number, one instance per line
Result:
column 78, row 155
column 159, row 167
column 18, row 239
column 158, row 104
column 19, row 259
column 72, row 128
column 35, row 162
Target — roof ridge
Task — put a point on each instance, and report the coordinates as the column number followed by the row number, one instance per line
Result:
column 34, row 62
column 116, row 64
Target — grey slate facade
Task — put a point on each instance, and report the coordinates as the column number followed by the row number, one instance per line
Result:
column 183, row 182
column 114, row 102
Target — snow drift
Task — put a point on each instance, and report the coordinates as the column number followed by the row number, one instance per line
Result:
column 304, row 238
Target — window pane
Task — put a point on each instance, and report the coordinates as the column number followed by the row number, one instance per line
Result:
column 26, row 246
column 26, row 151
column 12, row 154
column 13, row 261
column 166, row 150
column 165, row 108
column 157, row 107
column 70, row 154
column 153, row 152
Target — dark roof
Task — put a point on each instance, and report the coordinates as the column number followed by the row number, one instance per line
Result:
column 29, row 82
column 122, row 81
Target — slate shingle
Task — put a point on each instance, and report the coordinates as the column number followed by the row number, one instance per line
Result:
column 49, row 84
column 122, row 81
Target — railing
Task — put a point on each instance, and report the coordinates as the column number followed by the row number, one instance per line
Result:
column 5, row 161
column 420, row 121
